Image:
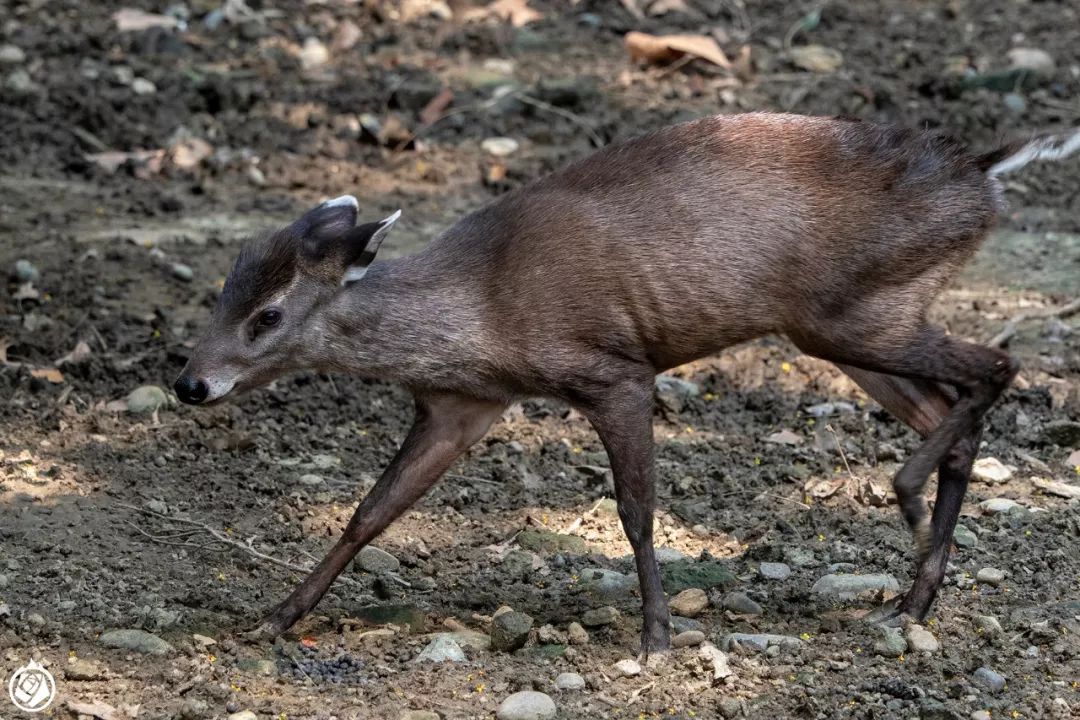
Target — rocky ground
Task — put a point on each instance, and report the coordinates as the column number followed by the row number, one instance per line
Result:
column 139, row 538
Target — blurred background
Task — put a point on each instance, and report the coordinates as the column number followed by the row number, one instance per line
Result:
column 143, row 141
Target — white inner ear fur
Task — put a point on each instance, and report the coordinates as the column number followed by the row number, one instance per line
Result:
column 357, row 272
column 343, row 201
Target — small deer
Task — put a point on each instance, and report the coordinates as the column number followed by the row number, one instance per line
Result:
column 585, row 284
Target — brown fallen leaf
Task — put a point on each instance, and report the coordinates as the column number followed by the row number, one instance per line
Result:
column 821, row 488
column 668, row 48
column 436, row 106
column 516, row 12
column 97, row 708
column 80, row 353
column 51, row 374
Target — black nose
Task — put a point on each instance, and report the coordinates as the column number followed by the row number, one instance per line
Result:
column 190, row 390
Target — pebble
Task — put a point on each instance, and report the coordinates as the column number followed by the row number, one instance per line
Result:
column 891, row 643
column 526, row 705
column 965, row 537
column 442, row 649
column 79, row 669
column 784, row 437
column 510, row 631
column 760, row 641
column 997, row 506
column 988, row 625
column 137, row 640
column 1036, row 60
column 24, row 271
column 569, row 681
column 311, row 480
column 243, row 715
column 990, row 576
column 142, row 86
column 816, row 58
column 12, row 55
column 689, row 603
column 991, row 470
column 3, row 581
column 775, row 570
column 922, row 640
column 669, row 555
column 499, row 146
column 376, row 560
column 741, row 603
column 800, row 557
column 36, row 619
column 19, row 82
column 627, row 668
column 314, row 54
column 846, row 587
column 987, row 678
column 981, row 715
column 577, row 634
column 600, row 616
column 183, row 272
column 1015, row 102
column 146, row 399
column 688, row 638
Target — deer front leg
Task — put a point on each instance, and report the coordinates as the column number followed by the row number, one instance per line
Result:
column 444, row 427
column 623, row 420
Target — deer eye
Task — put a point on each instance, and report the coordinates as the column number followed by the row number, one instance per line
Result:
column 269, row 318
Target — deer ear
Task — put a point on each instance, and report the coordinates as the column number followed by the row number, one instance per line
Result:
column 321, row 228
column 364, row 241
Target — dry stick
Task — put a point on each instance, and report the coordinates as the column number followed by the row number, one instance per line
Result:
column 225, row 540
column 1009, row 329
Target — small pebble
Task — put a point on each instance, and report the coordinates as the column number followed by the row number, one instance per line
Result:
column 740, row 603
column 688, row 639
column 990, row 576
column 981, row 715
column 25, row 271
column 689, row 603
column 989, row 679
column 965, row 537
column 11, row 55
column 181, row 271
column 526, row 705
column 499, row 146
column 569, row 681
column 577, row 634
column 991, row 470
column 997, row 506
column 775, row 570
column 922, row 640
column 627, row 668
column 988, row 625
column 375, row 560
column 142, row 86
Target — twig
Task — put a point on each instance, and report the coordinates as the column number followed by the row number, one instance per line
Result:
column 1009, row 329
column 537, row 103
column 225, row 540
column 840, row 448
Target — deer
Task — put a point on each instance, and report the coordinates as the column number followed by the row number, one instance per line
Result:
column 583, row 285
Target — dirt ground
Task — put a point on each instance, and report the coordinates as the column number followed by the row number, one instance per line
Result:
column 107, row 514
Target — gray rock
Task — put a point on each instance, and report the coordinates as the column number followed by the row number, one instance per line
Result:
column 1034, row 60
column 510, row 631
column 891, row 643
column 518, row 563
column 730, row 707
column 997, row 506
column 1062, row 432
column 689, row 603
column 600, row 616
column 990, row 576
column 668, row 555
column 577, row 634
column 775, row 570
column 739, row 602
column 526, row 705
column 142, row 86
column 991, row 470
column 1015, row 102
column 19, row 82
column 375, row 560
column 800, row 557
column 965, row 537
column 688, row 638
column 920, row 639
column 180, row 271
column 136, row 640
column 194, row 709
column 146, row 399
column 848, row 587
column 12, row 55
column 441, row 649
column 981, row 715
column 682, row 624
column 988, row 625
column 24, row 271
column 760, row 641
column 989, row 679
column 243, row 715
column 627, row 668
column 569, row 681
column 604, row 584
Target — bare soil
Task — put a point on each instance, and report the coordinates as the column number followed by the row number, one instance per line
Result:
column 97, row 503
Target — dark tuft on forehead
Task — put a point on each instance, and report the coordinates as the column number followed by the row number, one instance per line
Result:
column 263, row 268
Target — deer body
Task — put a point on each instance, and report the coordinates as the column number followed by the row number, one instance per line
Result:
column 585, row 284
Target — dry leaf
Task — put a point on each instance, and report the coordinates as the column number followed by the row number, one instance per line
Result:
column 816, row 58
column 97, row 708
column 80, row 353
column 51, row 374
column 667, row 48
column 821, row 488
column 516, row 12
column 872, row 494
